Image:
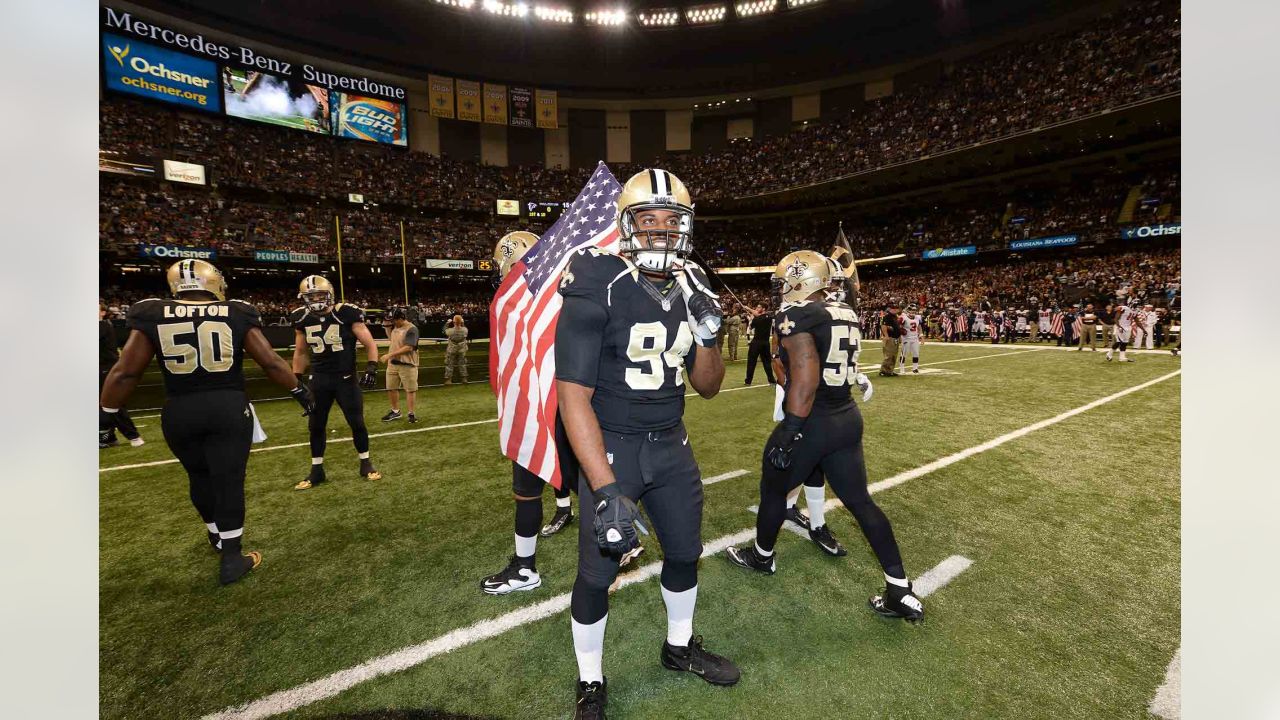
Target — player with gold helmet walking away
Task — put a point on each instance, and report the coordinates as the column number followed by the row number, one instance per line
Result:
column 326, row 332
column 200, row 338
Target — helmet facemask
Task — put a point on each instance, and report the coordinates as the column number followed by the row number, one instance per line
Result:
column 318, row 301
column 676, row 242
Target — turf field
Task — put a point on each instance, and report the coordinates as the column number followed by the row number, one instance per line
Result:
column 1069, row 608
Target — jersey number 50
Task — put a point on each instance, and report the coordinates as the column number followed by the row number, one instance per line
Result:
column 216, row 353
column 648, row 346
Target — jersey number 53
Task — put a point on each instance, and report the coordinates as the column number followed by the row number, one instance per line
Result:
column 841, row 365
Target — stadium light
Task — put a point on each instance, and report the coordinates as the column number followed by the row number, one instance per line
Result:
column 705, row 14
column 460, row 4
column 559, row 15
column 751, row 8
column 659, row 16
column 606, row 17
column 518, row 9
column 800, row 3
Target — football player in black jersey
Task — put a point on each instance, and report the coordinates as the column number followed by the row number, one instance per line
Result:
column 328, row 331
column 201, row 338
column 822, row 427
column 628, row 327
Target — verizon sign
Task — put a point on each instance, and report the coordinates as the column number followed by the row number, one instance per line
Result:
column 182, row 172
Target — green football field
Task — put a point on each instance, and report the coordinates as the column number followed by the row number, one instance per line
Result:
column 1055, row 475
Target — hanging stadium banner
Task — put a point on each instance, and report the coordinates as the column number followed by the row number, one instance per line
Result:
column 148, row 71
column 548, row 109
column 468, row 100
column 1143, row 232
column 440, row 95
column 520, row 107
column 1044, row 242
column 949, row 252
column 495, row 104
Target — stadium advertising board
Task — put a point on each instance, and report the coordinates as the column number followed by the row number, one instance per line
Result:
column 126, row 163
column 184, row 172
column 436, row 264
column 1044, row 242
column 260, row 96
column 271, row 255
column 297, row 257
column 137, row 68
column 369, row 119
column 1143, row 232
column 125, row 23
column 520, row 107
column 176, row 252
column 949, row 252
column 508, row 207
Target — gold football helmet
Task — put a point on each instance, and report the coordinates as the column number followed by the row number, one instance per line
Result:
column 317, row 293
column 801, row 274
column 196, row 275
column 663, row 248
column 511, row 248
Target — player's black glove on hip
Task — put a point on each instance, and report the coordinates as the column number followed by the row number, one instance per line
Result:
column 783, row 440
column 370, row 376
column 303, row 395
column 615, row 522
column 704, row 309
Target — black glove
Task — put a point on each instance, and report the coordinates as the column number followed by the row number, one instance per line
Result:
column 370, row 377
column 783, row 440
column 615, row 522
column 303, row 395
column 705, row 312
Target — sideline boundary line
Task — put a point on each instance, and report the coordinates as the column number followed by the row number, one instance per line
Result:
column 335, row 683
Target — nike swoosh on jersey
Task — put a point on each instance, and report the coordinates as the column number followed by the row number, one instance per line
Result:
column 346, row 377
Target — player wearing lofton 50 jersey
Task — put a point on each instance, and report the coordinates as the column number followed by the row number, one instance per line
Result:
column 201, row 338
column 328, row 332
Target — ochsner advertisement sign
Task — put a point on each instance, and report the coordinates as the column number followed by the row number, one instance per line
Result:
column 176, row 252
column 1149, row 231
column 140, row 69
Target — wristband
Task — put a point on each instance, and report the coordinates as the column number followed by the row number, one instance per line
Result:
column 110, row 410
column 792, row 422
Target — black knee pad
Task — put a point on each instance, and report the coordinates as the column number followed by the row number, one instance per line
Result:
column 589, row 601
column 679, row 575
column 528, row 517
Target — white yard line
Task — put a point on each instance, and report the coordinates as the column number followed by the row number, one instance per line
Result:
column 405, row 658
column 935, row 578
column 1167, row 703
column 723, row 476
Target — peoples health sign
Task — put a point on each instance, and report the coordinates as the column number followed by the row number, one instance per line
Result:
column 949, row 252
column 176, row 252
column 285, row 256
column 1044, row 242
column 137, row 68
column 1148, row 231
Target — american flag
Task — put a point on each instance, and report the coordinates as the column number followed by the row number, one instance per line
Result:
column 522, row 322
column 946, row 325
column 1077, row 327
column 1056, row 327
column 962, row 322
column 993, row 326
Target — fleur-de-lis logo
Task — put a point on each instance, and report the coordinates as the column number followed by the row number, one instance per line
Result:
column 566, row 278
column 797, row 268
column 786, row 325
column 119, row 54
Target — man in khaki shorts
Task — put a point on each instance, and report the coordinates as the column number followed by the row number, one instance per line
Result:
column 402, row 364
column 455, row 354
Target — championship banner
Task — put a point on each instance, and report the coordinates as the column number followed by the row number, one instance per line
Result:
column 520, row 104
column 495, row 104
column 440, row 95
column 548, row 109
column 468, row 100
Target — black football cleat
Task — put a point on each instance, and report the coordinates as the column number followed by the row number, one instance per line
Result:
column 315, row 478
column 563, row 517
column 514, row 577
column 413, row 419
column 898, row 602
column 713, row 668
column 367, row 471
column 748, row 558
column 235, row 565
column 591, row 700
column 797, row 518
column 391, row 416
column 822, row 537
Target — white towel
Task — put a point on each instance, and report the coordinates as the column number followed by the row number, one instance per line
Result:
column 778, row 395
column 259, row 435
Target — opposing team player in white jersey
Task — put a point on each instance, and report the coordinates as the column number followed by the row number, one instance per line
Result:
column 1125, row 317
column 912, row 326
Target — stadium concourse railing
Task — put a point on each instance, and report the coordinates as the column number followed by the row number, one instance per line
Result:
column 961, row 148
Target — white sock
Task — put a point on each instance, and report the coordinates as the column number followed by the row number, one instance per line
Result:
column 317, row 461
column 1122, row 357
column 364, row 455
column 900, row 582
column 231, row 534
column 526, row 546
column 213, row 527
column 815, row 499
column 791, row 500
column 680, row 615
column 762, row 552
column 562, row 502
column 588, row 646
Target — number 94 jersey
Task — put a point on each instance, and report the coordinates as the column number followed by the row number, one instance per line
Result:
column 627, row 338
column 835, row 330
column 199, row 344
column 330, row 337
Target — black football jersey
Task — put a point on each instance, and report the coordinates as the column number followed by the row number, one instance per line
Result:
column 199, row 344
column 330, row 337
column 627, row 338
column 835, row 330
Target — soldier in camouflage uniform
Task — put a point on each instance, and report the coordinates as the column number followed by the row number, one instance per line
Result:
column 455, row 355
column 734, row 325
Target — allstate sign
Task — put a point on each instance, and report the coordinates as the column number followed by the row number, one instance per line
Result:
column 949, row 252
column 1149, row 231
column 176, row 252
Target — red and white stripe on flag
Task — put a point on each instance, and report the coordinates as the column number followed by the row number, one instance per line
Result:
column 522, row 325
column 1056, row 327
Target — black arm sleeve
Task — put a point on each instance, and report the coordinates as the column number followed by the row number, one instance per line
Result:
column 579, row 338
column 411, row 337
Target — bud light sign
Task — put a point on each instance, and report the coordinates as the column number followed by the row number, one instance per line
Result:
column 1149, row 231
